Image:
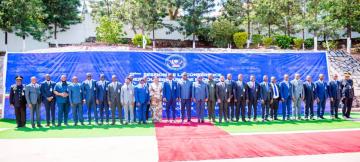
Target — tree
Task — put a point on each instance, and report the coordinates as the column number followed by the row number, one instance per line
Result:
column 290, row 10
column 266, row 12
column 196, row 14
column 24, row 18
column 60, row 15
column 347, row 13
column 221, row 32
column 109, row 30
column 173, row 7
column 101, row 8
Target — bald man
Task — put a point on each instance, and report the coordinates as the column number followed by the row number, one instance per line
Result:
column 321, row 93
column 61, row 92
column 48, row 98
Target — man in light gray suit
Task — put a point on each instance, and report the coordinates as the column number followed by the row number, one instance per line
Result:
column 114, row 93
column 127, row 100
column 33, row 98
column 298, row 95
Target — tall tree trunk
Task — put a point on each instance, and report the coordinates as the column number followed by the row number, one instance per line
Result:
column 193, row 40
column 6, row 41
column 153, row 38
column 348, row 42
column 55, row 35
column 269, row 30
column 315, row 41
column 248, row 23
column 24, row 43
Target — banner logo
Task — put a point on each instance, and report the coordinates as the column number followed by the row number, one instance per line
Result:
column 175, row 62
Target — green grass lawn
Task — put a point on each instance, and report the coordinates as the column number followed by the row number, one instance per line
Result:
column 274, row 126
column 74, row 132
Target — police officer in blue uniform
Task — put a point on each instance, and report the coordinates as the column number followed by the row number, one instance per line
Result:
column 18, row 101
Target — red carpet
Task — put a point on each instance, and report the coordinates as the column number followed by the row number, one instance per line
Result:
column 205, row 142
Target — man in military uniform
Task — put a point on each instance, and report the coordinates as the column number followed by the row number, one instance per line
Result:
column 347, row 89
column 18, row 101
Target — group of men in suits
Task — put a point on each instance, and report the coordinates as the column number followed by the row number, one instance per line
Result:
column 232, row 97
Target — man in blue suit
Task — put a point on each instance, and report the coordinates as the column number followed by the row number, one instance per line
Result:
column 102, row 99
column 200, row 96
column 142, row 98
column 309, row 91
column 230, row 84
column 48, row 98
column 184, row 90
column 89, row 96
column 253, row 97
column 321, row 94
column 335, row 96
column 61, row 92
column 170, row 95
column 240, row 95
column 286, row 97
column 75, row 98
column 265, row 97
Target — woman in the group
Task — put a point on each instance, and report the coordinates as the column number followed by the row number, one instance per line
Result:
column 156, row 99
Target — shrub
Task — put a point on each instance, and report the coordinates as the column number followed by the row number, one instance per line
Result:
column 138, row 40
column 109, row 31
column 221, row 32
column 332, row 45
column 267, row 41
column 256, row 39
column 357, row 47
column 298, row 42
column 283, row 41
column 309, row 43
column 240, row 39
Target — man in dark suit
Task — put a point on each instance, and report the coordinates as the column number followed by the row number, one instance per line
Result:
column 286, row 97
column 321, row 94
column 335, row 96
column 229, row 83
column 48, row 98
column 275, row 98
column 102, row 98
column 146, row 83
column 221, row 96
column 170, row 95
column 211, row 97
column 114, row 95
column 89, row 92
column 265, row 97
column 240, row 95
column 347, row 89
column 18, row 101
column 253, row 97
column 309, row 92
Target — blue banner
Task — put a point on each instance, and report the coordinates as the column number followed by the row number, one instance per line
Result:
column 159, row 63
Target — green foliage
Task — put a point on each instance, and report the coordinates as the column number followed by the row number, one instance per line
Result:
column 204, row 34
column 109, row 31
column 61, row 14
column 138, row 40
column 332, row 45
column 283, row 41
column 257, row 39
column 221, row 32
column 267, row 41
column 298, row 42
column 309, row 43
column 196, row 15
column 240, row 39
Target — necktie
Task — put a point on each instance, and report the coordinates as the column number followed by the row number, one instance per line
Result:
column 275, row 90
column 253, row 85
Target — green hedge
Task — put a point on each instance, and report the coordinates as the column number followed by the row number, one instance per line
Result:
column 137, row 40
column 298, row 42
column 257, row 39
column 240, row 39
column 283, row 41
column 267, row 41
